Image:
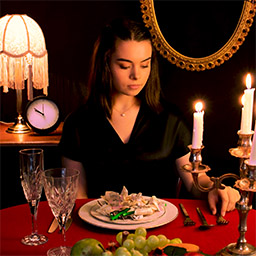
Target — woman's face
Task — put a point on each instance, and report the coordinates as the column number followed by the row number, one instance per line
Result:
column 130, row 66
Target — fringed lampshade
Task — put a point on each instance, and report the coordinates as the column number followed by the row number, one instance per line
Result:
column 23, row 56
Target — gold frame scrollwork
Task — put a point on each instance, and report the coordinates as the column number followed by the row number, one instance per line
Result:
column 204, row 63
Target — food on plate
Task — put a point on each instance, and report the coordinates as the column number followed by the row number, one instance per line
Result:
column 133, row 206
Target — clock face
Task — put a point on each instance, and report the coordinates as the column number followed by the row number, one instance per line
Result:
column 42, row 114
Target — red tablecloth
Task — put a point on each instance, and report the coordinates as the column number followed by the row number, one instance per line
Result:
column 16, row 222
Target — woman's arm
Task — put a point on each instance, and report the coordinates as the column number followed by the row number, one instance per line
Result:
column 187, row 178
column 82, row 189
column 228, row 196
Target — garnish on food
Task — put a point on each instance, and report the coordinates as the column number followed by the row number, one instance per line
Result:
column 125, row 206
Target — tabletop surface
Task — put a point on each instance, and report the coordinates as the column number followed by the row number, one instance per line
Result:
column 31, row 138
column 16, row 223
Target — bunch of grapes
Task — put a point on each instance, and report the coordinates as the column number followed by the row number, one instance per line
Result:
column 138, row 244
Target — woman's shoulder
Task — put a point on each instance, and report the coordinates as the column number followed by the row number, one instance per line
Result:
column 172, row 109
column 175, row 114
column 168, row 110
column 84, row 114
column 76, row 114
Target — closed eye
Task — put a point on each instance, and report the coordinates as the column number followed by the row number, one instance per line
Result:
column 124, row 66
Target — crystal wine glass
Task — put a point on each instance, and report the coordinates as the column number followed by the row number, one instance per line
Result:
column 31, row 169
column 61, row 186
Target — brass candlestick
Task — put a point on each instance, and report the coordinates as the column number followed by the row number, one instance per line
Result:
column 246, row 183
column 247, row 186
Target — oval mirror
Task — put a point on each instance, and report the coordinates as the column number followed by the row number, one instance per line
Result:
column 198, row 63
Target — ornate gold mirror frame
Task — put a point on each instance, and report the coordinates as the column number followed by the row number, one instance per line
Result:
column 204, row 63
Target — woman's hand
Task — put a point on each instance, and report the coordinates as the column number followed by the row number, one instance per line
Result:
column 228, row 197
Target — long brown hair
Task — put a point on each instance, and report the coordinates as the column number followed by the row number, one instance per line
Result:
column 100, row 84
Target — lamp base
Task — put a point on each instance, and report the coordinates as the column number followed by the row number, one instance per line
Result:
column 232, row 249
column 19, row 127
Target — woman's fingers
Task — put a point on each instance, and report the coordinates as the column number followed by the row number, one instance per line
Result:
column 228, row 198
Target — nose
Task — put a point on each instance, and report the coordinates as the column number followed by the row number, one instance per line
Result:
column 135, row 73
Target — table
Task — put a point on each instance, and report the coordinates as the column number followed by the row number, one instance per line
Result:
column 29, row 139
column 15, row 223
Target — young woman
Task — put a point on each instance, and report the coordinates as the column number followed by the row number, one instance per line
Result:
column 125, row 134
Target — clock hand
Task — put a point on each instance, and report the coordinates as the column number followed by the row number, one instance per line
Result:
column 38, row 111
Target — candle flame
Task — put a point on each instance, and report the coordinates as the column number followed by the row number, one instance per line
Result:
column 248, row 81
column 199, row 106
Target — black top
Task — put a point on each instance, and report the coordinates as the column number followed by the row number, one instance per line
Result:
column 145, row 164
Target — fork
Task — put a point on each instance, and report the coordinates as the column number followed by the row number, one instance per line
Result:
column 188, row 221
column 220, row 219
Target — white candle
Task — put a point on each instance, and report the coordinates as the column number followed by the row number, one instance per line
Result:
column 246, row 121
column 198, row 126
column 252, row 159
column 242, row 112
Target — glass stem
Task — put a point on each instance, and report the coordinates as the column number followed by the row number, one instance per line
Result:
column 63, row 231
column 62, row 223
column 33, row 210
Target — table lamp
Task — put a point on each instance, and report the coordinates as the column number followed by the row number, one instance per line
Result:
column 23, row 56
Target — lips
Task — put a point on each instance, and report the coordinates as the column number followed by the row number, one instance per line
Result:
column 134, row 86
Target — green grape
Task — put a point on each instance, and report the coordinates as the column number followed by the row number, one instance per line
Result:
column 162, row 240
column 143, row 253
column 141, row 232
column 122, row 251
column 119, row 237
column 136, row 253
column 153, row 241
column 140, row 242
column 107, row 253
column 146, row 248
column 175, row 241
column 131, row 236
column 129, row 244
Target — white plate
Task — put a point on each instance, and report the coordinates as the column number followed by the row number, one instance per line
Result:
column 171, row 212
column 146, row 219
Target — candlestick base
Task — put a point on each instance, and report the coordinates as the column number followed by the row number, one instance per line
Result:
column 233, row 249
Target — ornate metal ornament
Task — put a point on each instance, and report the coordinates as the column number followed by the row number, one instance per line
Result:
column 204, row 63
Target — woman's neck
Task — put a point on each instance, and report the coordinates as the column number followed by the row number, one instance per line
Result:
column 123, row 103
column 123, row 117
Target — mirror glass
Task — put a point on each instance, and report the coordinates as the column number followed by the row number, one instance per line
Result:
column 200, row 34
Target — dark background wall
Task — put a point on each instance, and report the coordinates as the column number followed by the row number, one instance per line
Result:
column 195, row 28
